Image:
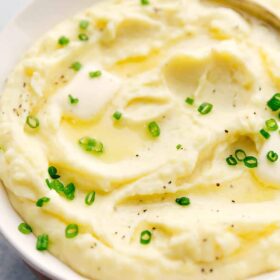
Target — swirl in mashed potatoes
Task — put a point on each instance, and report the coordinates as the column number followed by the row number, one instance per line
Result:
column 139, row 108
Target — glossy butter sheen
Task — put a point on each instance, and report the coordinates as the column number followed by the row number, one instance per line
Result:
column 151, row 57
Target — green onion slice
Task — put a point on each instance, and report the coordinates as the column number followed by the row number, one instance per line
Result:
column 272, row 156
column 83, row 37
column 32, row 122
column 56, row 185
column 40, row 202
column 231, row 160
column 189, row 101
column 271, row 125
column 71, row 231
column 73, row 100
column 183, row 201
column 205, row 108
column 42, row 242
column 76, row 66
column 265, row 134
column 91, row 145
column 117, row 115
column 53, row 172
column 240, row 154
column 24, row 228
column 145, row 2
column 179, row 147
column 274, row 102
column 69, row 191
column 90, row 198
column 95, row 74
column 63, row 41
column 84, row 24
column 154, row 129
column 145, row 237
column 251, row 162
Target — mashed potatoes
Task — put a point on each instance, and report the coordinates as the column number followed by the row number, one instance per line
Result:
column 124, row 121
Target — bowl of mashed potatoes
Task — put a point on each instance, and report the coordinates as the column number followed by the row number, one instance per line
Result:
column 140, row 139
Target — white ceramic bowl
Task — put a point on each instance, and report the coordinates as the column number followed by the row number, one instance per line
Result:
column 38, row 17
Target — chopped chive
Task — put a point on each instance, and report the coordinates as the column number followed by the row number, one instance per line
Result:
column 84, row 24
column 251, row 162
column 91, row 145
column 56, row 185
column 83, row 37
column 95, row 74
column 76, row 66
column 63, row 41
column 231, row 160
column 69, row 191
column 205, row 108
column 240, row 155
column 272, row 156
column 183, row 201
column 42, row 242
column 71, row 231
column 32, row 122
column 90, row 198
column 274, row 102
column 145, row 237
column 73, row 100
column 154, row 129
column 189, row 101
column 271, row 125
column 53, row 172
column 145, row 2
column 264, row 133
column 40, row 202
column 24, row 228
column 179, row 147
column 117, row 115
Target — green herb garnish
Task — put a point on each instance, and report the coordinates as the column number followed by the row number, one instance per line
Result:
column 90, row 198
column 32, row 122
column 40, row 202
column 205, row 108
column 24, row 228
column 73, row 100
column 183, row 201
column 71, row 231
column 84, row 24
column 251, row 162
column 42, row 242
column 91, row 145
column 63, row 41
column 272, row 156
column 145, row 237
column 95, row 74
column 76, row 66
column 154, row 129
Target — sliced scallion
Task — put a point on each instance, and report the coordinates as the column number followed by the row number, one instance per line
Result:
column 251, row 162
column 154, row 129
column 90, row 198
column 183, row 201
column 272, row 156
column 32, row 122
column 40, row 202
column 71, row 231
column 145, row 237
column 240, row 154
column 24, row 228
column 42, row 242
column 205, row 108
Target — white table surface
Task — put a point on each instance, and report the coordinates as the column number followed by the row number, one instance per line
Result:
column 11, row 266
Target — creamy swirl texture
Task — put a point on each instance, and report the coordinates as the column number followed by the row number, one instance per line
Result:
column 142, row 103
